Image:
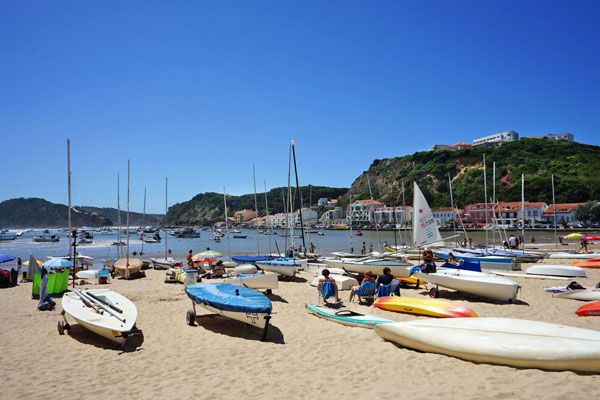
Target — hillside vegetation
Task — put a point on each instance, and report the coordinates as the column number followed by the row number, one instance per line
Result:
column 575, row 167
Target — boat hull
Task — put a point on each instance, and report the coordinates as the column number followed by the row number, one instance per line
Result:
column 398, row 270
column 504, row 341
column 347, row 318
column 267, row 280
column 427, row 307
column 556, row 270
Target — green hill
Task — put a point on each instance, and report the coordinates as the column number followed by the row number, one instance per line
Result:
column 206, row 208
column 575, row 167
column 35, row 212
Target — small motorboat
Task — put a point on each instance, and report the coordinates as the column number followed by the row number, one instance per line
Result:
column 44, row 238
column 236, row 302
column 104, row 312
column 240, row 236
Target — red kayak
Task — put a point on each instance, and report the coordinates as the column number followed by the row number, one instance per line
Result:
column 589, row 309
column 587, row 264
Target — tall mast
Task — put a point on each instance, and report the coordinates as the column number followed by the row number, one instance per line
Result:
column 119, row 215
column 554, row 213
column 227, row 223
column 128, row 182
column 269, row 228
column 485, row 202
column 70, row 235
column 143, row 221
column 293, row 143
column 404, row 235
column 523, row 210
column 289, row 198
column 256, row 209
column 166, row 211
column 452, row 204
column 494, row 222
column 373, row 210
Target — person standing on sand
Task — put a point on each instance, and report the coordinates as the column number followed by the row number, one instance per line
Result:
column 190, row 262
column 363, row 249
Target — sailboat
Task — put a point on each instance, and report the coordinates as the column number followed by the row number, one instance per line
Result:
column 128, row 267
column 166, row 262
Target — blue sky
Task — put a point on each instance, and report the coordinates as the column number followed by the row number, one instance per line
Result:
column 199, row 91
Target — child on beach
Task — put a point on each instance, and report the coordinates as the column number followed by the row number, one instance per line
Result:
column 327, row 278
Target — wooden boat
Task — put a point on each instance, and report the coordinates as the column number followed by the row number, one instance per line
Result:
column 505, row 341
column 236, row 302
column 126, row 271
column 104, row 312
column 165, row 263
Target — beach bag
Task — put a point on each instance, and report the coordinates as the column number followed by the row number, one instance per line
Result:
column 5, row 278
column 574, row 286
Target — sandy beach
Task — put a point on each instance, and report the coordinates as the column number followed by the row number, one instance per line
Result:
column 304, row 357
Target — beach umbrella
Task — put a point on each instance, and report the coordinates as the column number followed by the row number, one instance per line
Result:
column 56, row 263
column 573, row 236
column 204, row 259
column 592, row 237
column 209, row 254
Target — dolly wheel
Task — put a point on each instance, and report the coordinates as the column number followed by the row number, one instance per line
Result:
column 61, row 327
column 433, row 293
column 191, row 318
column 268, row 292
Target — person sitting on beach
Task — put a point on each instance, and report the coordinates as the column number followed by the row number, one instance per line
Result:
column 327, row 278
column 428, row 265
column 368, row 277
column 452, row 259
column 386, row 278
column 512, row 242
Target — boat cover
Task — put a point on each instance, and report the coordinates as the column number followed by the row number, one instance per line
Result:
column 228, row 297
column 281, row 262
column 250, row 259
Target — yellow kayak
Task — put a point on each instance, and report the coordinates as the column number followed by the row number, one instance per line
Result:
column 428, row 307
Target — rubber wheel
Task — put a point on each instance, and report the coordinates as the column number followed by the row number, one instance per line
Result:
column 433, row 293
column 268, row 292
column 61, row 327
column 191, row 318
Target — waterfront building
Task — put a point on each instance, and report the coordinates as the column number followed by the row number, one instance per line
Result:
column 335, row 216
column 397, row 215
column 309, row 217
column 243, row 216
column 565, row 212
column 510, row 213
column 497, row 138
column 363, row 211
column 445, row 215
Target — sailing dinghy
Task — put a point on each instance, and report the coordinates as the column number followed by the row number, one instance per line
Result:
column 236, row 302
column 104, row 312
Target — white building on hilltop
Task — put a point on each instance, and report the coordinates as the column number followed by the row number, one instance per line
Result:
column 506, row 136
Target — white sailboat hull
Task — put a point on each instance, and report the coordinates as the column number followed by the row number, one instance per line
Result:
column 258, row 320
column 505, row 341
column 343, row 282
column 475, row 283
column 267, row 280
column 360, row 267
column 556, row 270
column 285, row 270
column 577, row 256
column 104, row 324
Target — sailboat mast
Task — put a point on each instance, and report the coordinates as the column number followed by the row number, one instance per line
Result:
column 452, row 204
column 554, row 213
column 227, row 223
column 404, row 234
column 70, row 235
column 119, row 215
column 256, row 208
column 485, row 201
column 128, row 183
column 290, row 224
column 143, row 221
column 373, row 210
column 166, row 211
column 523, row 210
column 299, row 196
column 270, row 228
column 494, row 203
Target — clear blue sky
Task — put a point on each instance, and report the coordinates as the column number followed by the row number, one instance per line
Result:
column 198, row 91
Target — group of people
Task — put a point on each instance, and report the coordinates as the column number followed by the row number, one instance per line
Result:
column 385, row 279
column 215, row 270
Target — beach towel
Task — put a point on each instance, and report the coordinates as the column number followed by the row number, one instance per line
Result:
column 383, row 290
column 327, row 290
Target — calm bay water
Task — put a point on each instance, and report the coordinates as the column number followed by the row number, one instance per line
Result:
column 24, row 246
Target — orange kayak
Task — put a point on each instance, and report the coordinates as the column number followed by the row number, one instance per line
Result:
column 589, row 309
column 587, row 264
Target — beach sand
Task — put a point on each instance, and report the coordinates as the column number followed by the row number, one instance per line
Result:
column 305, row 357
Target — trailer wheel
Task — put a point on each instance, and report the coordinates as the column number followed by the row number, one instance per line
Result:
column 191, row 318
column 61, row 327
column 433, row 293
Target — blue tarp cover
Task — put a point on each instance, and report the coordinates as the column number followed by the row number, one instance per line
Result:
column 223, row 297
column 250, row 259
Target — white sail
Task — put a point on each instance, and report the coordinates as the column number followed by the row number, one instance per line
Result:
column 425, row 229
